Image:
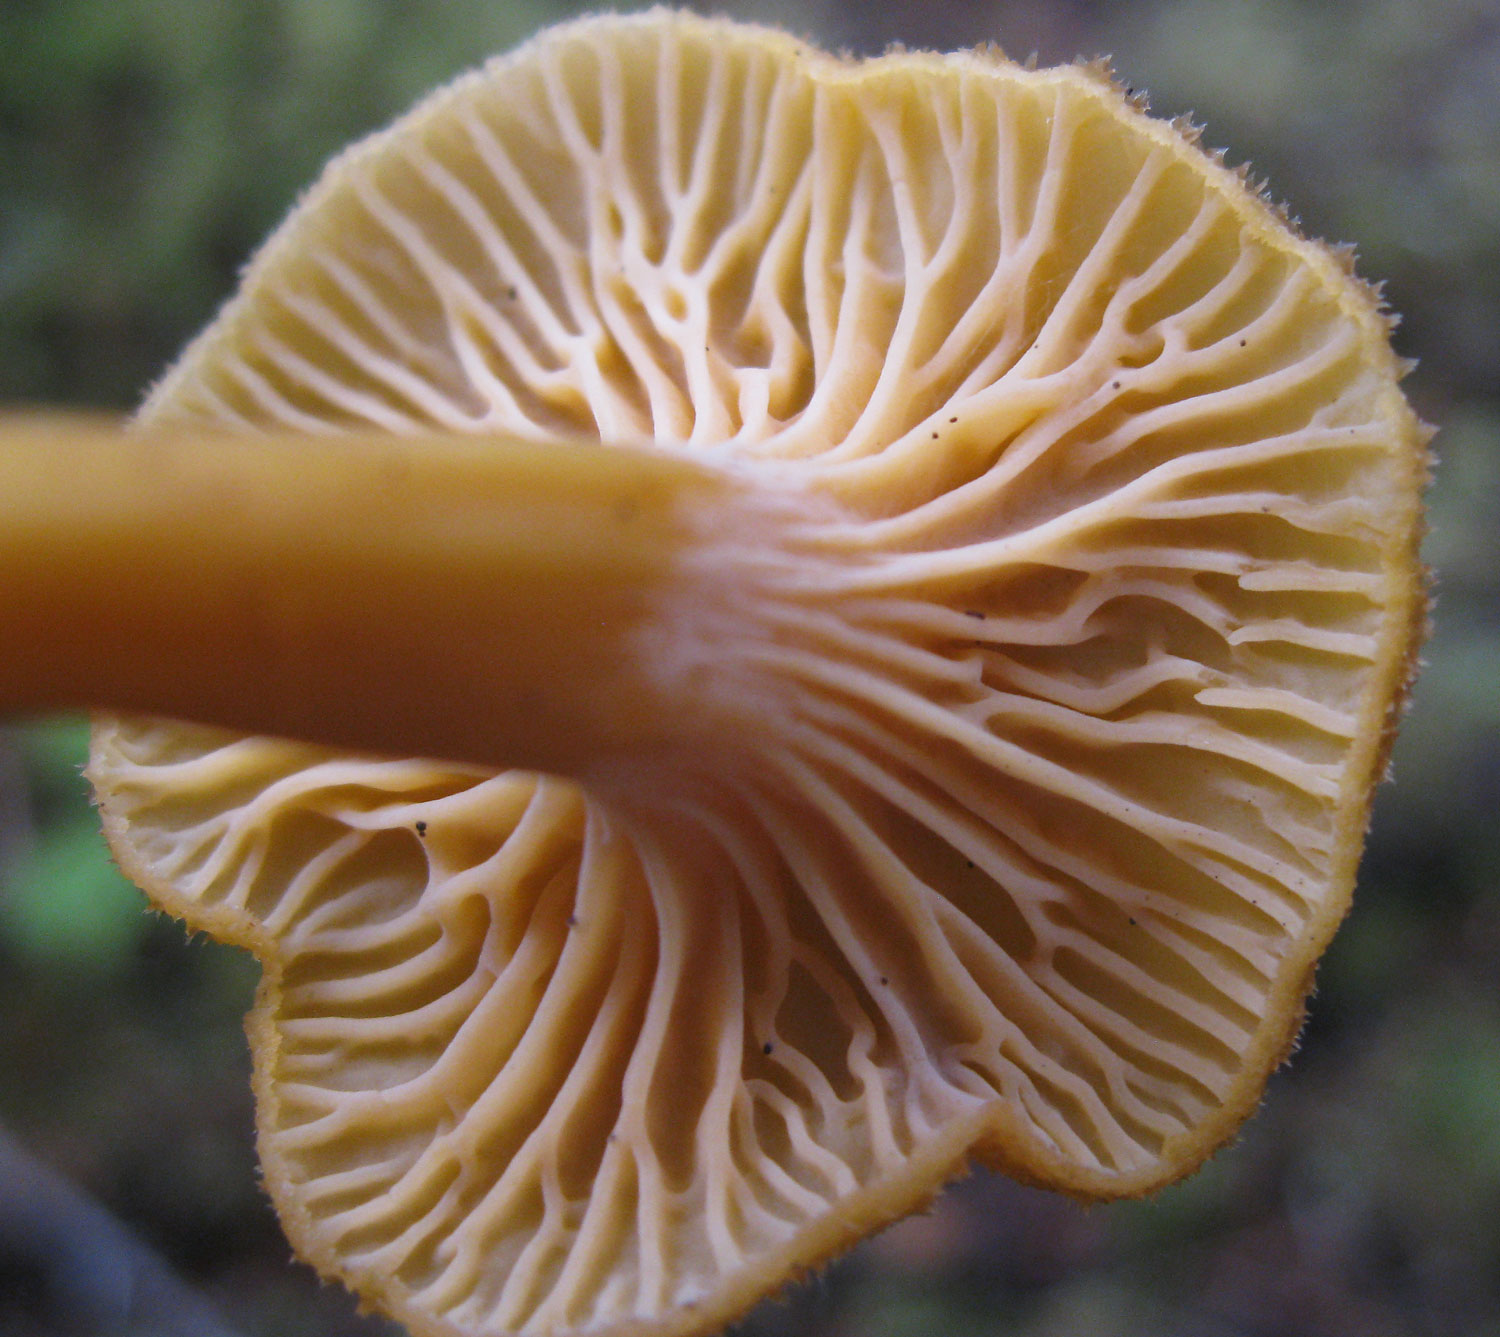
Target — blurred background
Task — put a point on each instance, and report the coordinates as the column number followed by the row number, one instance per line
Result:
column 147, row 145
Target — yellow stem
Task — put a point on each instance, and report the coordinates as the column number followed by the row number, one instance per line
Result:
column 477, row 599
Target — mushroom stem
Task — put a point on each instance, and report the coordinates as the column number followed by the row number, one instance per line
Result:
column 476, row 599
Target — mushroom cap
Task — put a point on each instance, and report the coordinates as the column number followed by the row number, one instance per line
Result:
column 1054, row 753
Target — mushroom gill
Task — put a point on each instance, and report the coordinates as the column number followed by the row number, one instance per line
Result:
column 1019, row 765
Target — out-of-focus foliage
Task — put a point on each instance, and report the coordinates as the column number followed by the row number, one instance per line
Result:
column 146, row 146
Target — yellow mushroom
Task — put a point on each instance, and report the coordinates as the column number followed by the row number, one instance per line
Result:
column 947, row 708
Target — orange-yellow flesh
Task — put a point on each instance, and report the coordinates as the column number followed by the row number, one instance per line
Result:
column 1019, row 806
column 366, row 591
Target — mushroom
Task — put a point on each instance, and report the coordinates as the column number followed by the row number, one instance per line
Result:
column 992, row 612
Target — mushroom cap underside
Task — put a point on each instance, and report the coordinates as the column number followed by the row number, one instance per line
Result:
column 1051, row 770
